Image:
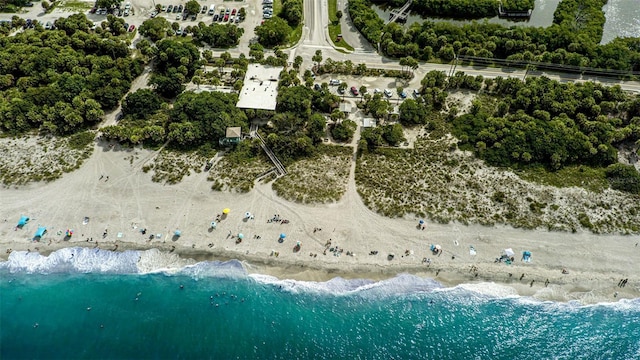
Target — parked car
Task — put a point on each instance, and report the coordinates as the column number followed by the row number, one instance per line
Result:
column 193, row 17
column 416, row 93
column 163, row 8
column 266, row 16
column 317, row 87
column 153, row 14
column 48, row 25
column 179, row 31
column 170, row 8
column 180, row 7
column 354, row 91
column 178, row 17
column 204, row 10
column 388, row 93
column 126, row 12
column 403, row 94
column 215, row 17
column 131, row 28
column 185, row 16
column 226, row 17
column 340, row 91
column 334, row 82
column 237, row 19
column 175, row 8
column 233, row 12
column 29, row 4
column 377, row 91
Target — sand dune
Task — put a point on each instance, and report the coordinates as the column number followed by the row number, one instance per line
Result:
column 129, row 201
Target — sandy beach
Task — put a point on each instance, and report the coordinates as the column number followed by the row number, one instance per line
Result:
column 111, row 189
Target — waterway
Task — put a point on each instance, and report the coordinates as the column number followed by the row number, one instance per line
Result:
column 623, row 18
column 542, row 15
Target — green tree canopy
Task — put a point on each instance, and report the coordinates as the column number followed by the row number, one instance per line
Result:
column 273, row 32
column 155, row 29
column 141, row 103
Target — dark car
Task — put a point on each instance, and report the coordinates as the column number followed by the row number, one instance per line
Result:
column 354, row 91
column 215, row 17
column 317, row 87
column 193, row 17
column 29, row 4
column 208, row 166
column 170, row 8
column 180, row 8
column 204, row 10
column 185, row 16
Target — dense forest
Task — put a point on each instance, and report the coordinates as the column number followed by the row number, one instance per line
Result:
column 573, row 39
column 297, row 127
column 174, row 65
column 61, row 81
column 194, row 119
column 544, row 122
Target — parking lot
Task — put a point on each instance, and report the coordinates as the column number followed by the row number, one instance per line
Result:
column 135, row 12
column 387, row 87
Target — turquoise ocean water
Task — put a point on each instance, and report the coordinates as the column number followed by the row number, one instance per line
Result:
column 97, row 304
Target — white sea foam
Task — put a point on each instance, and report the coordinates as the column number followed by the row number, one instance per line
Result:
column 73, row 260
column 401, row 284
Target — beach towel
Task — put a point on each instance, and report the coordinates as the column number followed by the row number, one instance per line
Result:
column 472, row 250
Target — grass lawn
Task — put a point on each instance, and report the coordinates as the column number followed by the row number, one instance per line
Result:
column 76, row 5
column 296, row 34
column 334, row 26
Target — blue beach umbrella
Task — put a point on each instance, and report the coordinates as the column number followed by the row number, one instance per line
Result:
column 283, row 235
column 240, row 236
column 177, row 233
column 421, row 222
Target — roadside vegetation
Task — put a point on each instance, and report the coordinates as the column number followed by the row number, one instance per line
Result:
column 285, row 27
column 335, row 29
column 573, row 39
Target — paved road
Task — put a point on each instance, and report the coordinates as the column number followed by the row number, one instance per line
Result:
column 315, row 36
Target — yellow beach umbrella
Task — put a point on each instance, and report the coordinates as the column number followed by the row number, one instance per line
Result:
column 226, row 211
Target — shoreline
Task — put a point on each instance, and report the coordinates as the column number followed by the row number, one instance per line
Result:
column 493, row 279
column 129, row 201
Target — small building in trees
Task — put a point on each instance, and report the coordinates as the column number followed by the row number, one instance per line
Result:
column 232, row 136
column 346, row 108
column 260, row 87
column 368, row 123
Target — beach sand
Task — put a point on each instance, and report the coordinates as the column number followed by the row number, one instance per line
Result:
column 129, row 201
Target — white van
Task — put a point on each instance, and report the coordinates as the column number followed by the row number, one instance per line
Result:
column 212, row 9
